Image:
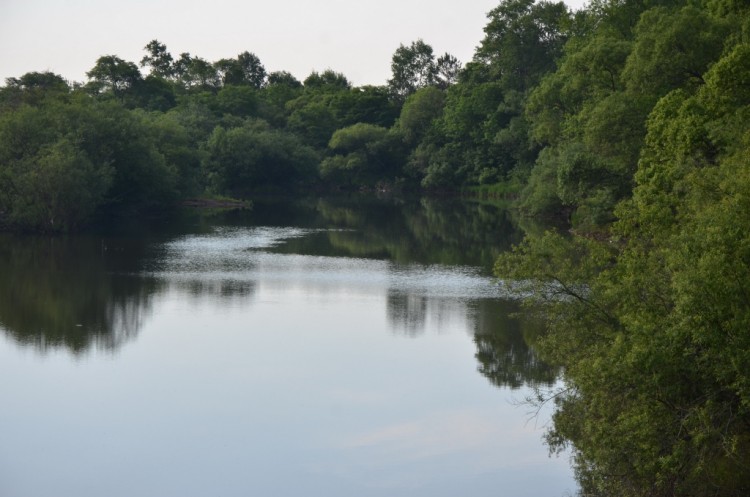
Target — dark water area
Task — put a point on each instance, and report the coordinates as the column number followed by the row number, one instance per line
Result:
column 337, row 346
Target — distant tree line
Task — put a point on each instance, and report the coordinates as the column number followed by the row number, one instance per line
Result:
column 555, row 105
column 135, row 140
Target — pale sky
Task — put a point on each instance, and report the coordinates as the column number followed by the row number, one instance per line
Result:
column 355, row 38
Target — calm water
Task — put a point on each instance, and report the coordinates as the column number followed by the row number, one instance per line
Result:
column 319, row 348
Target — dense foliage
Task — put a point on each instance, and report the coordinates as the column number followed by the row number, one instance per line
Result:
column 136, row 139
column 555, row 103
column 650, row 317
column 628, row 119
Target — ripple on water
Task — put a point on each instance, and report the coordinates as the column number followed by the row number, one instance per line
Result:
column 243, row 254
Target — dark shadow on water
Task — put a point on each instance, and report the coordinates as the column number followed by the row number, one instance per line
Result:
column 504, row 344
column 406, row 230
column 72, row 292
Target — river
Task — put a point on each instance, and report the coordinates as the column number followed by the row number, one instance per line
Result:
column 320, row 347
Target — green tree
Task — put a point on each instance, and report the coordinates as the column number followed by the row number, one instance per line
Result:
column 154, row 93
column 196, row 73
column 412, row 68
column 254, row 157
column 48, row 179
column 474, row 114
column 176, row 143
column 522, row 40
column 158, row 59
column 32, row 88
column 361, row 156
column 650, row 318
column 281, row 88
column 590, row 69
column 283, row 78
column 418, row 114
column 246, row 69
column 241, row 101
column 327, row 81
column 673, row 49
column 57, row 188
column 600, row 98
column 365, row 104
column 313, row 119
column 447, row 70
column 113, row 75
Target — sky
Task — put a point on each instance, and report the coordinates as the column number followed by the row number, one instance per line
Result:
column 299, row 36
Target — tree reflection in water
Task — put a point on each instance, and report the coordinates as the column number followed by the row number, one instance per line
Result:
column 407, row 313
column 83, row 292
column 75, row 293
column 505, row 346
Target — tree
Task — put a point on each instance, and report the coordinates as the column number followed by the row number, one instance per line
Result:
column 155, row 93
column 360, row 156
column 470, row 114
column 241, row 101
column 447, row 69
column 32, row 88
column 283, row 78
column 590, row 69
column 158, row 59
column 649, row 319
column 599, row 99
column 246, row 69
column 522, row 41
column 327, row 81
column 39, row 81
column 412, row 68
column 254, row 157
column 673, row 49
column 419, row 112
column 49, row 181
column 113, row 75
column 281, row 88
column 365, row 104
column 196, row 73
column 312, row 118
column 176, row 142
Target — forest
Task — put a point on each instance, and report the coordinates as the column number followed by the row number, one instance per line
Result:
column 627, row 122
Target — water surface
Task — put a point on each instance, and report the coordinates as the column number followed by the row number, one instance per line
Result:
column 320, row 348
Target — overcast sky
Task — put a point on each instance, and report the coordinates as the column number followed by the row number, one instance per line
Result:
column 299, row 36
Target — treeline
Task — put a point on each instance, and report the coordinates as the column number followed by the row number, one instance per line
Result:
column 645, row 129
column 135, row 140
column 554, row 106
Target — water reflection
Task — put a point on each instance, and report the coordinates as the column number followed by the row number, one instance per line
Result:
column 503, row 346
column 407, row 313
column 427, row 259
column 318, row 348
column 427, row 231
column 418, row 297
column 76, row 293
column 222, row 292
column 502, row 340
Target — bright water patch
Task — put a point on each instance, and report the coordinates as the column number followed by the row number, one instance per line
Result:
column 243, row 254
